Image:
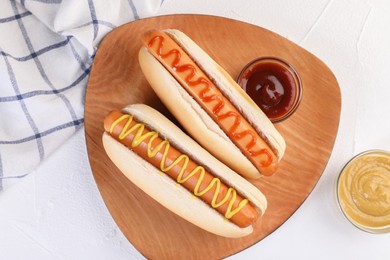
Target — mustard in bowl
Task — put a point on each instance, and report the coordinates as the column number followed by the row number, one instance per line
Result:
column 363, row 191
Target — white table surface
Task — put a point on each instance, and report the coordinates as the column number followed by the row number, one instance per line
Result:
column 57, row 212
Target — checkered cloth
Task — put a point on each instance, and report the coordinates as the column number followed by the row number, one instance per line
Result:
column 46, row 51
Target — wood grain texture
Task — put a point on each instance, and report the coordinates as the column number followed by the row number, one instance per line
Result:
column 116, row 80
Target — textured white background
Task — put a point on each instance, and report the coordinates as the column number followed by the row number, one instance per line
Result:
column 57, row 212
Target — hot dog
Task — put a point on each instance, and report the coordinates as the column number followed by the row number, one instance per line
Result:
column 209, row 104
column 174, row 170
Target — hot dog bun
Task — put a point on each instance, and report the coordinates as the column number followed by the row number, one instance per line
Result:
column 197, row 121
column 165, row 190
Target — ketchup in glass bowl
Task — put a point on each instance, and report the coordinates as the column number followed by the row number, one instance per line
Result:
column 274, row 85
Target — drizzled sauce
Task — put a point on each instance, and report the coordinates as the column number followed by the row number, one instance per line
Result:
column 134, row 135
column 193, row 77
column 273, row 85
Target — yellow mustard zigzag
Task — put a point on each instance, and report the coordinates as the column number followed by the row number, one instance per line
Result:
column 152, row 152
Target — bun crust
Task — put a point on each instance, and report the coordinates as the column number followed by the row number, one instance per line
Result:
column 165, row 190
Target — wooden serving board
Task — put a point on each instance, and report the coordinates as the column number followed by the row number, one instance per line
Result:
column 116, row 80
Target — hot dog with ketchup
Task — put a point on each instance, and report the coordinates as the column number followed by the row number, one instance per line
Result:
column 174, row 170
column 209, row 104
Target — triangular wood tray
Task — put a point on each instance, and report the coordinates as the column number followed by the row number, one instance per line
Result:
column 116, row 80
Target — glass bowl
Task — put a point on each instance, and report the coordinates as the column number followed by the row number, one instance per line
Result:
column 274, row 85
column 363, row 191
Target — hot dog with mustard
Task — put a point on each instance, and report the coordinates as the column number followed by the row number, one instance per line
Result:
column 173, row 169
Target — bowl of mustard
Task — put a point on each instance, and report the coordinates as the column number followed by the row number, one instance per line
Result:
column 363, row 191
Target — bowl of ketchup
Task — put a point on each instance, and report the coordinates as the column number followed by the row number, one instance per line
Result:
column 274, row 85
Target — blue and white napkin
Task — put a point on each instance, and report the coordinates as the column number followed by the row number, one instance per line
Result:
column 46, row 52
